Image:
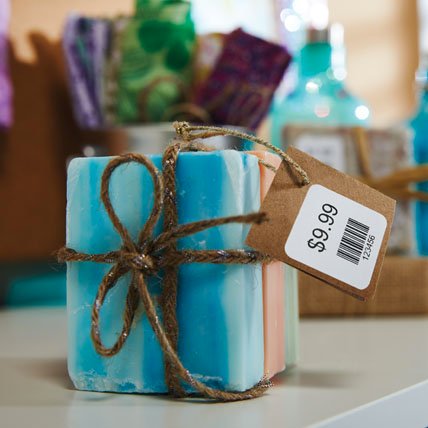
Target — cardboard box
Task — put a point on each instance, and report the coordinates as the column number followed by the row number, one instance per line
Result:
column 402, row 290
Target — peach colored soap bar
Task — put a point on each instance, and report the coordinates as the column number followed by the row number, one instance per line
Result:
column 273, row 288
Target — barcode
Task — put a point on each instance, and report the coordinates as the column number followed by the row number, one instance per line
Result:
column 352, row 244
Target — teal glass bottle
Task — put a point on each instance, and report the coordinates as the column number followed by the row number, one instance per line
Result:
column 320, row 97
column 419, row 125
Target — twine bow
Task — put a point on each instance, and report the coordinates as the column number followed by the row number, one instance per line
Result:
column 149, row 255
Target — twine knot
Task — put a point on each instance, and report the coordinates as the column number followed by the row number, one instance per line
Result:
column 139, row 261
column 149, row 254
column 182, row 129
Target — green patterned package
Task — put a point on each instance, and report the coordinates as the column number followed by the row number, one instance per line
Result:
column 155, row 72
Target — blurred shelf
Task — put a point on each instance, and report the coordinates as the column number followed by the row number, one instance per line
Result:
column 353, row 372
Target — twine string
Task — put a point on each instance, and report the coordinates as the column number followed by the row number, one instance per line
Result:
column 194, row 132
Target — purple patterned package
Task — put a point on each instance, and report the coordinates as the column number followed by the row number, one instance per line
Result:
column 240, row 88
column 5, row 83
column 85, row 43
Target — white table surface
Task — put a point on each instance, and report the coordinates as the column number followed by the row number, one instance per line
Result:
column 345, row 364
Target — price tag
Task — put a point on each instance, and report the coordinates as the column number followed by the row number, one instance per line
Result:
column 335, row 229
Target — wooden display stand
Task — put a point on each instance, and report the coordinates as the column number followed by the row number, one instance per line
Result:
column 34, row 152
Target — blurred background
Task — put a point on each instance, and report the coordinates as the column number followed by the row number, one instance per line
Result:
column 381, row 56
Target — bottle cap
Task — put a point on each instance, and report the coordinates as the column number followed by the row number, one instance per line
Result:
column 316, row 35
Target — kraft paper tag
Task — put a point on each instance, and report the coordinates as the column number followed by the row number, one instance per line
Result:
column 335, row 229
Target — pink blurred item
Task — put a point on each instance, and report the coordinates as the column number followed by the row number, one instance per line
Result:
column 5, row 82
column 209, row 48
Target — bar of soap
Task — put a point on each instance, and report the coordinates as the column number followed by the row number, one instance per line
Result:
column 219, row 309
column 391, row 151
column 280, row 297
column 273, row 287
column 292, row 338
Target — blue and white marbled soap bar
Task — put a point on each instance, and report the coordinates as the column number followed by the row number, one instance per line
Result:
column 220, row 308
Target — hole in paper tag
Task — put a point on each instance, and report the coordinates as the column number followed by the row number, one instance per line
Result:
column 336, row 229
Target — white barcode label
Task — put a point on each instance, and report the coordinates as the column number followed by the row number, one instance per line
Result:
column 354, row 238
column 337, row 236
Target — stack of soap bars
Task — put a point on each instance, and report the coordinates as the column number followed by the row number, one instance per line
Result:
column 233, row 319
